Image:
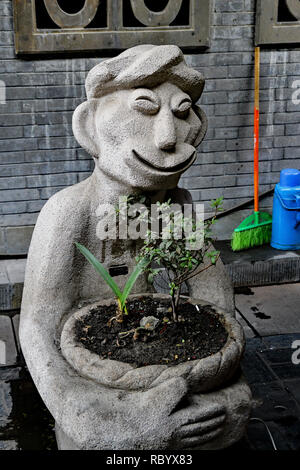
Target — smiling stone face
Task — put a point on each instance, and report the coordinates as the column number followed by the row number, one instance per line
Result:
column 140, row 122
column 145, row 136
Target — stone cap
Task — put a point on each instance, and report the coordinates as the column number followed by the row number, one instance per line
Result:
column 144, row 66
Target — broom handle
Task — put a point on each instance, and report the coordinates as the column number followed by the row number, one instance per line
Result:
column 256, row 130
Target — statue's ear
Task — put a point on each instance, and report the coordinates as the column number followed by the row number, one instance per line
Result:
column 203, row 129
column 83, row 124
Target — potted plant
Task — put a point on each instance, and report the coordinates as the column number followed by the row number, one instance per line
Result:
column 143, row 339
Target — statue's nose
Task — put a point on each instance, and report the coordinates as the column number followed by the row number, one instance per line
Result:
column 165, row 132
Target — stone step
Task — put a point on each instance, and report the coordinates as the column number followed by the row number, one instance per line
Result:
column 12, row 273
column 260, row 266
column 254, row 267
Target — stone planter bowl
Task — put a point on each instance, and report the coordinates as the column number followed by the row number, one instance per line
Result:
column 201, row 375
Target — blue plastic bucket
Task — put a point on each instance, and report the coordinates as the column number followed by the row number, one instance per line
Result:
column 286, row 211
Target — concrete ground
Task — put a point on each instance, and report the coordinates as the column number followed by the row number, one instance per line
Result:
column 270, row 316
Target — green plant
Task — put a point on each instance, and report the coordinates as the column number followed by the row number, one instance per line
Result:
column 176, row 256
column 121, row 296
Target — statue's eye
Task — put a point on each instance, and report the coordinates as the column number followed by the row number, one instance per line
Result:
column 182, row 110
column 145, row 103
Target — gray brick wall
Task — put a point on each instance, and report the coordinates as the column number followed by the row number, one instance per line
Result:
column 39, row 155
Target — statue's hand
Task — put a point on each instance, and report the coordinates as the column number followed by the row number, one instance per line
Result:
column 164, row 417
column 199, row 423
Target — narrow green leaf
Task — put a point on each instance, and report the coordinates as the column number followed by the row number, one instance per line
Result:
column 133, row 277
column 100, row 269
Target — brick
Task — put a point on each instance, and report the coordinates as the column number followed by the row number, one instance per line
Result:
column 51, row 118
column 15, row 119
column 34, row 206
column 57, row 104
column 28, row 169
column 226, row 133
column 19, row 195
column 17, row 220
column 234, row 19
column 219, row 45
column 8, row 353
column 216, row 157
column 264, row 131
column 11, row 157
column 57, row 142
column 292, row 107
column 245, row 144
column 242, row 191
column 11, row 145
column 264, row 178
column 68, row 91
column 208, row 194
column 46, row 193
column 13, row 207
column 13, row 182
column 250, row 5
column 234, row 32
column 294, row 56
column 214, row 97
column 214, row 71
column 18, row 238
column 287, row 141
column 60, row 179
column 196, row 182
column 264, row 154
column 292, row 129
column 6, row 23
column 5, row 8
column 11, row 132
column 52, row 155
column 6, row 38
column 279, row 165
column 213, row 145
column 229, row 5
column 237, row 71
column 283, row 118
column 19, row 93
column 223, row 181
column 11, row 107
column 244, row 167
column 48, row 131
column 7, row 52
column 13, row 66
column 239, row 45
column 82, row 176
column 224, row 58
column 292, row 152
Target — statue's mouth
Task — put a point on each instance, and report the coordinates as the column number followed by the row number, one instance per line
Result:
column 174, row 169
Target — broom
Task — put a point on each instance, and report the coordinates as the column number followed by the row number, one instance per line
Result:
column 256, row 229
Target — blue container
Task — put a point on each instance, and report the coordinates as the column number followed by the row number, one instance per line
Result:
column 286, row 211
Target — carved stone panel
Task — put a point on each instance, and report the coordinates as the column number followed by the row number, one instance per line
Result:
column 49, row 26
column 278, row 22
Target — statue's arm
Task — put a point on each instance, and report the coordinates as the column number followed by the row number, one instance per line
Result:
column 82, row 409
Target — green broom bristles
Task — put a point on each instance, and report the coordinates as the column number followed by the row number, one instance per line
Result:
column 251, row 237
column 255, row 230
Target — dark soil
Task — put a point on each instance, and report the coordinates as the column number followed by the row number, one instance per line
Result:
column 198, row 334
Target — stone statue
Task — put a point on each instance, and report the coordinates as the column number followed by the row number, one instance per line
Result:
column 141, row 125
